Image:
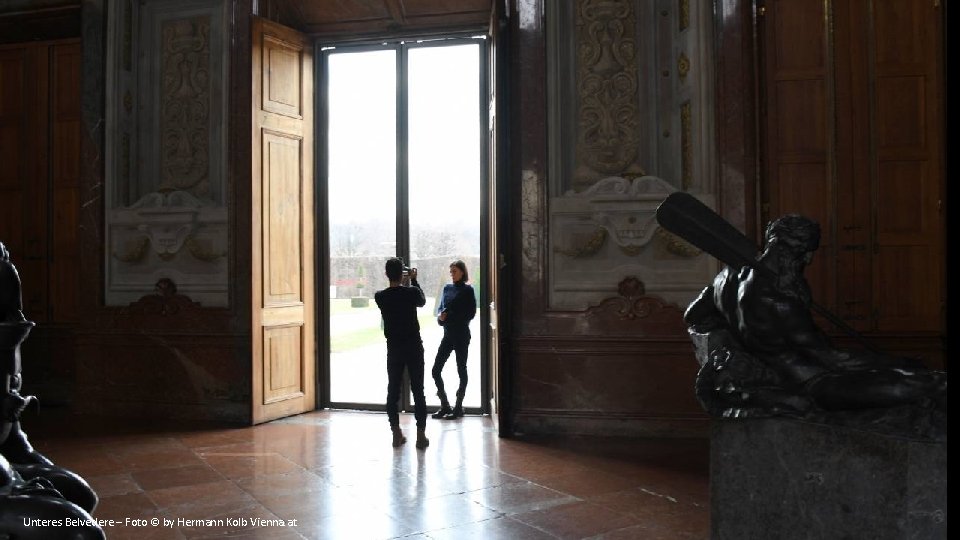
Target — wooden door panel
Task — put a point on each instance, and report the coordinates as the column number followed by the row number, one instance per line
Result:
column 908, row 177
column 896, row 311
column 798, row 35
column 282, row 199
column 284, row 344
column 281, row 77
column 900, row 104
column 798, row 138
column 281, row 359
column 853, row 125
column 901, row 212
column 802, row 128
column 65, row 181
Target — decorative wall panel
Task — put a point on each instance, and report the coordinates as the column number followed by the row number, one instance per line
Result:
column 165, row 187
column 609, row 231
column 634, row 127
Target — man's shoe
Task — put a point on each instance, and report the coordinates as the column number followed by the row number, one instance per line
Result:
column 422, row 440
column 457, row 412
column 441, row 412
column 398, row 438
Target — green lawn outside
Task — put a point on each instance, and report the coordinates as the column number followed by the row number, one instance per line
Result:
column 342, row 305
column 346, row 341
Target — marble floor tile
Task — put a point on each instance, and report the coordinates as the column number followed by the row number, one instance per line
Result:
column 333, row 474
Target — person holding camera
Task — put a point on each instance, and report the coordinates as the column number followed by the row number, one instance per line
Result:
column 398, row 305
column 458, row 306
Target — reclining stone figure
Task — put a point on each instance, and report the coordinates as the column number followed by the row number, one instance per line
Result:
column 762, row 353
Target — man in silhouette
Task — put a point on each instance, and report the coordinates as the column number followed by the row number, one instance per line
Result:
column 398, row 305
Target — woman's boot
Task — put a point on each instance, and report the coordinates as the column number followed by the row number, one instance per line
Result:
column 457, row 411
column 444, row 406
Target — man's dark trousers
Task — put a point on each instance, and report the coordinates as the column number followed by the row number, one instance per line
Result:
column 405, row 355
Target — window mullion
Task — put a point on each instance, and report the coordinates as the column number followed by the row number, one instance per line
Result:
column 403, row 204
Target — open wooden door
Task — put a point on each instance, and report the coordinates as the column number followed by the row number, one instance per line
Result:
column 499, row 374
column 283, row 338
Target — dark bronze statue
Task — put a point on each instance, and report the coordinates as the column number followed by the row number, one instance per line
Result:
column 762, row 354
column 38, row 500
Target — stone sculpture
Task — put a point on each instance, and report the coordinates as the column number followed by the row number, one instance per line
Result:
column 761, row 352
column 38, row 500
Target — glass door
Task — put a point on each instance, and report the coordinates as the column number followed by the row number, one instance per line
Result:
column 405, row 175
column 362, row 216
column 444, row 134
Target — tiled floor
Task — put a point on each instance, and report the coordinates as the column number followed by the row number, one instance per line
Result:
column 333, row 474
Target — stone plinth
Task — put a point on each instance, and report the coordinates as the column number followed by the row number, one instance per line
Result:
column 786, row 479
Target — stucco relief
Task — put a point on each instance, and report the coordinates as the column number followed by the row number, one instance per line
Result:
column 184, row 106
column 166, row 215
column 608, row 231
column 607, row 86
column 630, row 104
column 170, row 235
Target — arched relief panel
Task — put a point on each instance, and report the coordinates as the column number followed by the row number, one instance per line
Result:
column 630, row 105
column 165, row 186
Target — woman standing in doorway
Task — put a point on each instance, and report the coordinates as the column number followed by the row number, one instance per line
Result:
column 458, row 305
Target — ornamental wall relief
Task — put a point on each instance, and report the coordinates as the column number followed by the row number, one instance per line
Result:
column 607, row 83
column 184, row 106
column 630, row 120
column 166, row 214
column 610, row 230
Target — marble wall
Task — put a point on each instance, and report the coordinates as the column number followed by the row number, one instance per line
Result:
column 166, row 331
column 626, row 117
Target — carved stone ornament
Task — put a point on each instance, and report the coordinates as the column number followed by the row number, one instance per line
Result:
column 185, row 106
column 167, row 234
column 608, row 130
column 633, row 303
column 164, row 302
column 630, row 226
column 166, row 222
column 584, row 245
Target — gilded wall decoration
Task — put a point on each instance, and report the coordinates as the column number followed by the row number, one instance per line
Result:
column 683, row 67
column 608, row 119
column 686, row 147
column 684, row 18
column 185, row 106
column 132, row 249
column 676, row 245
column 584, row 245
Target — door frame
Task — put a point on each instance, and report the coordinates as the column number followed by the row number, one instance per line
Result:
column 322, row 248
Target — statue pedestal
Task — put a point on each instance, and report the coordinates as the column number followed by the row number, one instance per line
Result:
column 778, row 478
